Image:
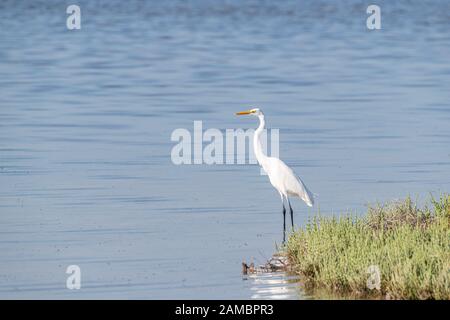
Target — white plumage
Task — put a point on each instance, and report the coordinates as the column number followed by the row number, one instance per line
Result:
column 286, row 181
column 280, row 175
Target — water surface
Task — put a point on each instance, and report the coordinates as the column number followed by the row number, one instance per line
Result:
column 86, row 117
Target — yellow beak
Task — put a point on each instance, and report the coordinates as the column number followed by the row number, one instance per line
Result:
column 244, row 112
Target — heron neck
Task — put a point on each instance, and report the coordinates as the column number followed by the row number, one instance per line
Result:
column 260, row 156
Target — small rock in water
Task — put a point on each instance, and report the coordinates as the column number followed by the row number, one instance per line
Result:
column 246, row 269
column 276, row 263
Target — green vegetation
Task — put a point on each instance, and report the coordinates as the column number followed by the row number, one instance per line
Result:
column 409, row 245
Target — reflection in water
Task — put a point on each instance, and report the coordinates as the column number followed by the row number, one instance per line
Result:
column 274, row 285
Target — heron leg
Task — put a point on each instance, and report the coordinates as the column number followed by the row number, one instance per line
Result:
column 284, row 224
column 292, row 214
column 284, row 218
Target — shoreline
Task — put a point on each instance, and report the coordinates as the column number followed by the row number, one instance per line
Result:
column 394, row 251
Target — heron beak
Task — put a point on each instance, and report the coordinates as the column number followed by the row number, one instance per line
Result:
column 244, row 112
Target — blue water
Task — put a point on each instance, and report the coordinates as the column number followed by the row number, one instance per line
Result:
column 86, row 117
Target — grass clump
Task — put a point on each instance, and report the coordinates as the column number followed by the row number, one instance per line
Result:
column 410, row 247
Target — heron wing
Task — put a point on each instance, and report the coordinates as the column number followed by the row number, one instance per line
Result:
column 295, row 186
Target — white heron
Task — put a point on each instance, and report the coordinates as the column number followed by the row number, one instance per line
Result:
column 280, row 175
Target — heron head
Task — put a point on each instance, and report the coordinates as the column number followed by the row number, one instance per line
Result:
column 253, row 112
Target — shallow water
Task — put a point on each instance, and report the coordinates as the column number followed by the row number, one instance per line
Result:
column 86, row 116
column 274, row 286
